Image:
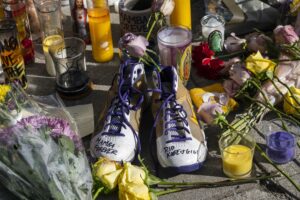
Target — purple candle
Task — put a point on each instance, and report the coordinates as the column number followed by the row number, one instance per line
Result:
column 281, row 147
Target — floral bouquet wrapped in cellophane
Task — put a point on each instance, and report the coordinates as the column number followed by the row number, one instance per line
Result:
column 41, row 155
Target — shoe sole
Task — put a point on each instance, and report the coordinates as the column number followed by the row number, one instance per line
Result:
column 177, row 170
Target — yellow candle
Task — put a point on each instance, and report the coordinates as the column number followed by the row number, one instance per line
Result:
column 100, row 31
column 181, row 15
column 237, row 161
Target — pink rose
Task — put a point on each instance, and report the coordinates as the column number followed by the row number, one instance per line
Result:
column 285, row 35
column 234, row 43
column 257, row 42
column 135, row 45
column 231, row 87
column 208, row 111
column 238, row 74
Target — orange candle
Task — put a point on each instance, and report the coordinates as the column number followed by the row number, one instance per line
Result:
column 100, row 31
column 181, row 15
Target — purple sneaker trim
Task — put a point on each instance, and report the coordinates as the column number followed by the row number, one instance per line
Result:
column 122, row 107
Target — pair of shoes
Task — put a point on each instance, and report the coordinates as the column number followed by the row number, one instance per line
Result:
column 180, row 141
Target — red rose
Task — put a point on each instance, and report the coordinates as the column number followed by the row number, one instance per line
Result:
column 208, row 66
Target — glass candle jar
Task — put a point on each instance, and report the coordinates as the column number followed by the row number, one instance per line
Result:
column 70, row 65
column 213, row 27
column 100, row 30
column 16, row 9
column 175, row 48
column 10, row 53
column 51, row 26
column 237, row 155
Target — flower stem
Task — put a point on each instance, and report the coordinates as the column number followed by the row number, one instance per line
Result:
column 99, row 190
column 151, row 28
column 264, row 155
column 150, row 59
column 224, row 56
column 227, row 182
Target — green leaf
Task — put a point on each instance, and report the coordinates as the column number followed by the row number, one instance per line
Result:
column 67, row 143
column 269, row 74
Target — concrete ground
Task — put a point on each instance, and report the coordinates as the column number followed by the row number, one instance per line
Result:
column 102, row 74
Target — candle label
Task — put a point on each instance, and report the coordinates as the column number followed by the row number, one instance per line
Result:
column 12, row 61
column 215, row 41
column 184, row 64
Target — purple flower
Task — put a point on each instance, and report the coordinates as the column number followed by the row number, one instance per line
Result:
column 285, row 35
column 234, row 43
column 58, row 127
column 257, row 42
column 135, row 45
column 231, row 87
column 166, row 7
column 128, row 37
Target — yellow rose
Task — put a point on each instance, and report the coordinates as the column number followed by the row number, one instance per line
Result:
column 131, row 184
column 289, row 100
column 4, row 89
column 107, row 172
column 256, row 64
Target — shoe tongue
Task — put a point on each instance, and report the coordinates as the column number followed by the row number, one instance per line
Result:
column 169, row 80
column 133, row 73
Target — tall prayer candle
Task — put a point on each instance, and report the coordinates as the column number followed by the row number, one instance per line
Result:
column 181, row 15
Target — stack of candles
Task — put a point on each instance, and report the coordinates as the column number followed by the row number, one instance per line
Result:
column 281, row 147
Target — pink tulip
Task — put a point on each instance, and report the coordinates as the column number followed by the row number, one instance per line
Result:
column 285, row 35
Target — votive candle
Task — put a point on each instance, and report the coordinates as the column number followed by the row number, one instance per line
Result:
column 237, row 161
column 281, row 147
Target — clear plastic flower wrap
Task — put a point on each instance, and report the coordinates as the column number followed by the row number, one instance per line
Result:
column 41, row 154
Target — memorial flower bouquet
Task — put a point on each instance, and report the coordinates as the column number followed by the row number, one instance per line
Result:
column 265, row 74
column 41, row 155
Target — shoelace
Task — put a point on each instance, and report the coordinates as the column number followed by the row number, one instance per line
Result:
column 175, row 113
column 122, row 107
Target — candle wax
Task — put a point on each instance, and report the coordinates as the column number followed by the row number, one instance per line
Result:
column 281, row 147
column 237, row 161
column 100, row 31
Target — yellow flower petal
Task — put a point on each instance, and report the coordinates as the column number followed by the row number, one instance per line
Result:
column 135, row 174
column 290, row 106
column 4, row 89
column 140, row 191
column 104, row 166
column 256, row 64
column 110, row 180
